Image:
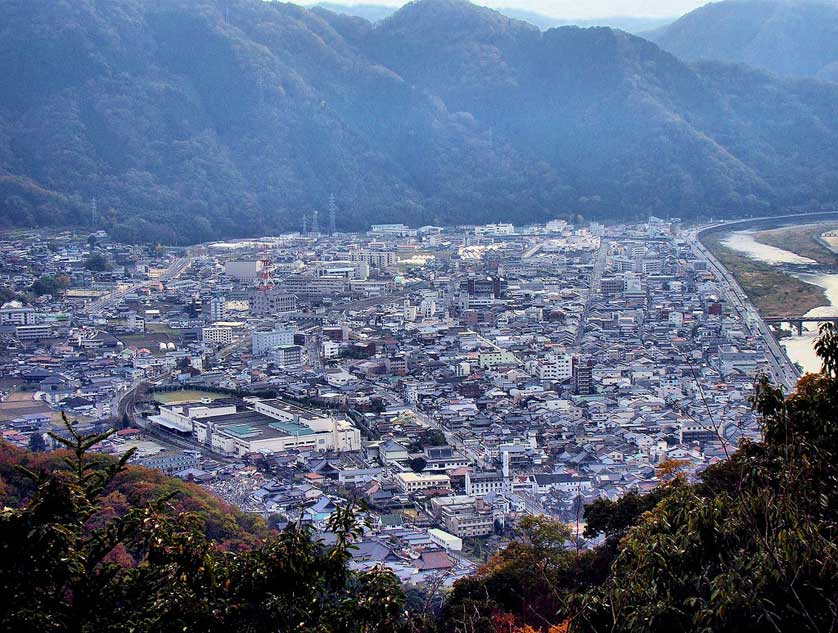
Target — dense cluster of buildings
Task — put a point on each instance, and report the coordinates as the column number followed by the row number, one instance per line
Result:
column 453, row 378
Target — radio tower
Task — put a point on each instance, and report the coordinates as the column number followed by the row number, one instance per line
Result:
column 333, row 212
column 265, row 280
column 305, row 224
column 314, row 227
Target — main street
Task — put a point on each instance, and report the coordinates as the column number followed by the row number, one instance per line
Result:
column 596, row 277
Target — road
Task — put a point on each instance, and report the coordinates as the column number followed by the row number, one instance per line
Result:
column 784, row 372
column 112, row 298
column 596, row 277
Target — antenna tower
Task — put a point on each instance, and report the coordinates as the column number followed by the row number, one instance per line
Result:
column 333, row 212
column 265, row 279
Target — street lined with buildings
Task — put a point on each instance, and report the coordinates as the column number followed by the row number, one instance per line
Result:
column 453, row 378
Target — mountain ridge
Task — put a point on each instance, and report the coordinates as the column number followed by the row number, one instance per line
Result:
column 444, row 113
column 786, row 37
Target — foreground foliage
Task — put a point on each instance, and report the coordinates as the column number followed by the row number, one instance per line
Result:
column 750, row 546
column 66, row 566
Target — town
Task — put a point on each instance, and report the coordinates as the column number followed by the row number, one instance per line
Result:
column 453, row 379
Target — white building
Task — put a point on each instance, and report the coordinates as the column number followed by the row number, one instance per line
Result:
column 375, row 259
column 270, row 426
column 217, row 335
column 241, row 270
column 15, row 313
column 263, row 342
column 413, row 482
column 288, row 356
column 495, row 229
column 557, row 367
column 392, row 230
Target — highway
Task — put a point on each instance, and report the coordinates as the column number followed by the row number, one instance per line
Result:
column 784, row 372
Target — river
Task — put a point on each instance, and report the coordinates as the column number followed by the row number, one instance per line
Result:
column 800, row 349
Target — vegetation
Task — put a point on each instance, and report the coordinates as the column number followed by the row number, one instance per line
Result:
column 50, row 285
column 187, row 120
column 786, row 38
column 70, row 564
column 97, row 263
column 752, row 545
column 769, row 288
column 801, row 240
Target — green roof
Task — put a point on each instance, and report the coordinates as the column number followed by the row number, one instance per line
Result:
column 242, row 430
column 292, row 428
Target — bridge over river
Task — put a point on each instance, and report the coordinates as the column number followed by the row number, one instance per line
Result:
column 798, row 321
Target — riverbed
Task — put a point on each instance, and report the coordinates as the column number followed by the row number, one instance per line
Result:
column 800, row 349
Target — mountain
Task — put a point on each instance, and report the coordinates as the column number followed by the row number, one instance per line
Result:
column 786, row 37
column 371, row 12
column 189, row 120
column 629, row 24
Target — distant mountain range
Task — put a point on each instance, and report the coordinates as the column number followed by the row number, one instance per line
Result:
column 787, row 37
column 187, row 120
column 629, row 24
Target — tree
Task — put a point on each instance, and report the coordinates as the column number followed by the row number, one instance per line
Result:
column 750, row 546
column 68, row 565
column 50, row 284
column 417, row 464
column 37, row 444
column 97, row 263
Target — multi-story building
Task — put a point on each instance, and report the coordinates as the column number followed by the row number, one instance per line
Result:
column 288, row 356
column 33, row 332
column 495, row 229
column 414, row 482
column 217, row 335
column 271, row 302
column 15, row 313
column 217, row 309
column 583, row 375
column 481, row 484
column 263, row 342
column 374, row 259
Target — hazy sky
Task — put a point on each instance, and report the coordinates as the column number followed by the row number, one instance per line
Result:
column 570, row 9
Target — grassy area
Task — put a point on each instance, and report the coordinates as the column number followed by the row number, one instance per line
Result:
column 801, row 241
column 773, row 292
column 161, row 328
column 186, row 395
column 150, row 340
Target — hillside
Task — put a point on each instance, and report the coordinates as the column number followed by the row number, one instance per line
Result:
column 195, row 119
column 786, row 37
column 135, row 487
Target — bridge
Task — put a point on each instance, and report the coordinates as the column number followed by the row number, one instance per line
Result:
column 798, row 321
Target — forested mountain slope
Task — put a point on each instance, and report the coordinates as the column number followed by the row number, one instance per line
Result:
column 188, row 120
